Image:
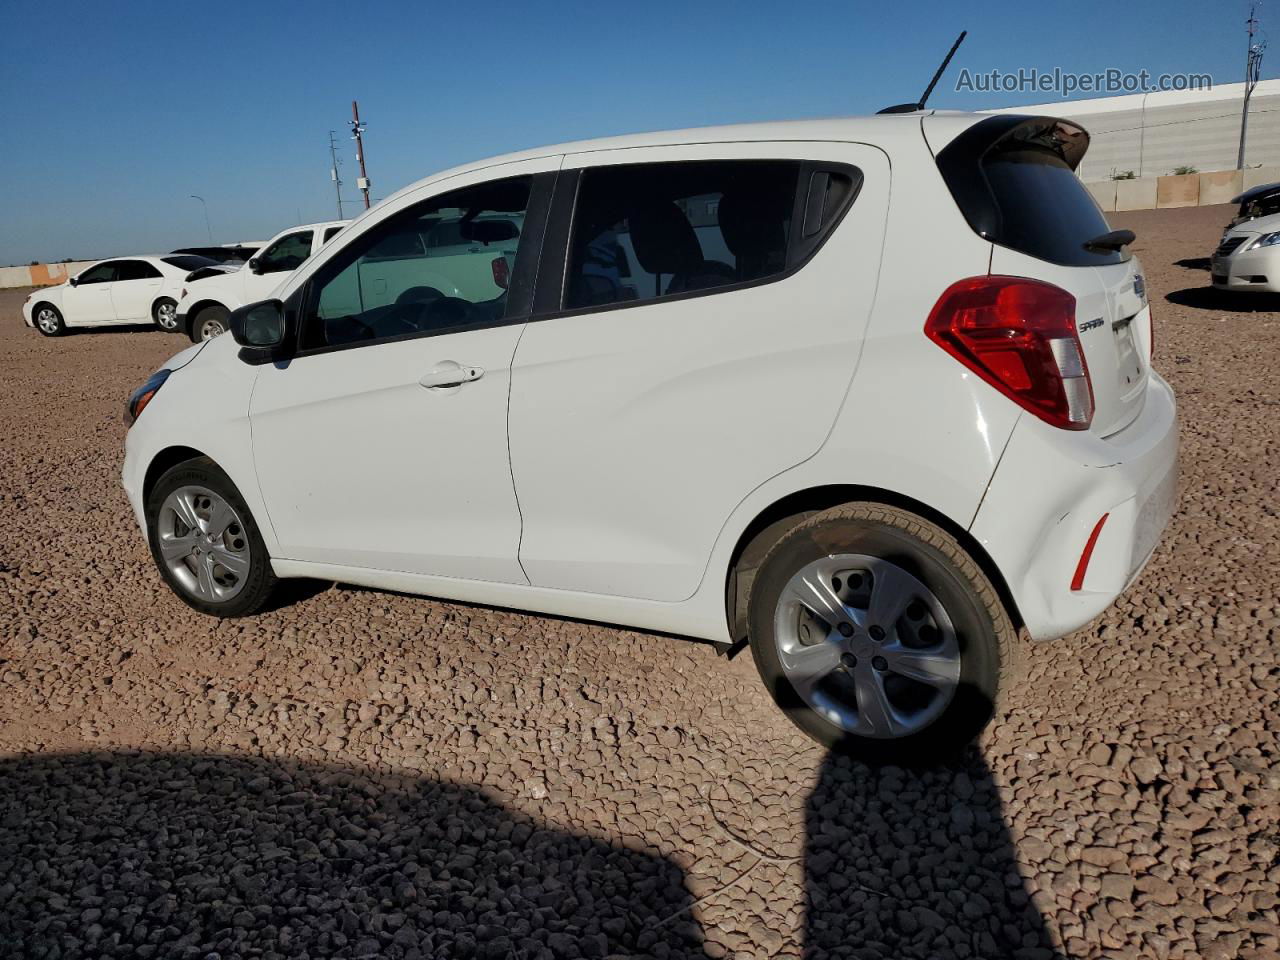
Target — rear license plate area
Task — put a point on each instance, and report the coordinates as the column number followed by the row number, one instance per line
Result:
column 1128, row 362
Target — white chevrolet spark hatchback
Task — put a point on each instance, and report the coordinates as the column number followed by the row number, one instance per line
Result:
column 872, row 394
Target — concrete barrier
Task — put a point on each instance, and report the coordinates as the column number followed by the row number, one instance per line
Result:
column 1137, row 194
column 1257, row 176
column 40, row 274
column 1220, row 186
column 1179, row 190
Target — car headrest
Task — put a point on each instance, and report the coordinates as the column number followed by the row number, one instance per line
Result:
column 663, row 238
column 752, row 224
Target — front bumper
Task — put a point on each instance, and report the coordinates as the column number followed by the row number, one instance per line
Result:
column 132, row 475
column 1247, row 271
column 1047, row 496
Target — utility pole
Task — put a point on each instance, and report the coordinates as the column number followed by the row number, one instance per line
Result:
column 1252, row 71
column 333, row 171
column 357, row 129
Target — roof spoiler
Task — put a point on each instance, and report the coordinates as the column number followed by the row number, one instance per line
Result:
column 960, row 161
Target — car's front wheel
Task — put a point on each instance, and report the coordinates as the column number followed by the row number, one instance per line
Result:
column 205, row 541
column 209, row 323
column 878, row 635
column 49, row 320
column 165, row 314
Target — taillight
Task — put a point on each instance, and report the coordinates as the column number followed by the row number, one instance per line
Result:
column 1020, row 336
column 501, row 272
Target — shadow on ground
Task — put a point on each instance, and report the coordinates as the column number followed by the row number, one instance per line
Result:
column 1193, row 263
column 914, row 863
column 164, row 855
column 1210, row 298
column 156, row 855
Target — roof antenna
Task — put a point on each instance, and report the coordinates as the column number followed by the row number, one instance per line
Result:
column 924, row 97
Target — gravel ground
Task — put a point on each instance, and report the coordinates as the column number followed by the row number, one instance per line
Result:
column 365, row 774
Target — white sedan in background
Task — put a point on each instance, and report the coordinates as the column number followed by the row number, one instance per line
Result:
column 120, row 291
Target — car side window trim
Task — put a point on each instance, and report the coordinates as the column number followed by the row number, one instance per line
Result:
column 520, row 292
column 553, row 279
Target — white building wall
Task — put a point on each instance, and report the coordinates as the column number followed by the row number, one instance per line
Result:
column 1153, row 133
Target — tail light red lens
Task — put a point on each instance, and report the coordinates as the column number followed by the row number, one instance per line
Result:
column 501, row 272
column 1019, row 335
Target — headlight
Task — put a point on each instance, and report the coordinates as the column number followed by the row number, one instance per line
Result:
column 1266, row 240
column 139, row 399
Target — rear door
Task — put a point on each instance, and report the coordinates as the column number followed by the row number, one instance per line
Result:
column 713, row 295
column 136, row 287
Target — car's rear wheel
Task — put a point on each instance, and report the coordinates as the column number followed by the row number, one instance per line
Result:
column 205, row 541
column 165, row 314
column 49, row 320
column 209, row 323
column 878, row 635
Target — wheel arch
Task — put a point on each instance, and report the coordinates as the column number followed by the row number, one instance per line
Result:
column 164, row 460
column 35, row 308
column 772, row 523
column 156, row 303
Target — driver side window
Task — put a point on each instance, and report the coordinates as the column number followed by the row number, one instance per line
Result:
column 102, row 273
column 441, row 266
column 287, row 253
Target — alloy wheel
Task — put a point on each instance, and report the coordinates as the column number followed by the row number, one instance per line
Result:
column 47, row 320
column 867, row 645
column 167, row 316
column 203, row 543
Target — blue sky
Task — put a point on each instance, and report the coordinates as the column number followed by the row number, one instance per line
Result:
column 115, row 113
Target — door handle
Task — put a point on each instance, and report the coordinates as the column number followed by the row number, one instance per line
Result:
column 450, row 373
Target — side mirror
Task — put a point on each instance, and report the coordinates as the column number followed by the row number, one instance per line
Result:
column 73, row 281
column 255, row 265
column 259, row 326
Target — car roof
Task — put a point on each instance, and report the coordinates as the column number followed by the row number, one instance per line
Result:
column 875, row 129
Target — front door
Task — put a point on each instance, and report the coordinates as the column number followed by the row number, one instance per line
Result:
column 89, row 301
column 383, row 443
column 711, row 320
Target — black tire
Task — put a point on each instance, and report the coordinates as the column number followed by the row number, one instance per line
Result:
column 165, row 307
column 59, row 327
column 259, row 582
column 202, row 321
column 986, row 636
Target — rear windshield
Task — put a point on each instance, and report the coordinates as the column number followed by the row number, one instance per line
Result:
column 1044, row 208
column 189, row 262
column 1011, row 178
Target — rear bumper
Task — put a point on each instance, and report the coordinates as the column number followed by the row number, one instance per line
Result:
column 1047, row 496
